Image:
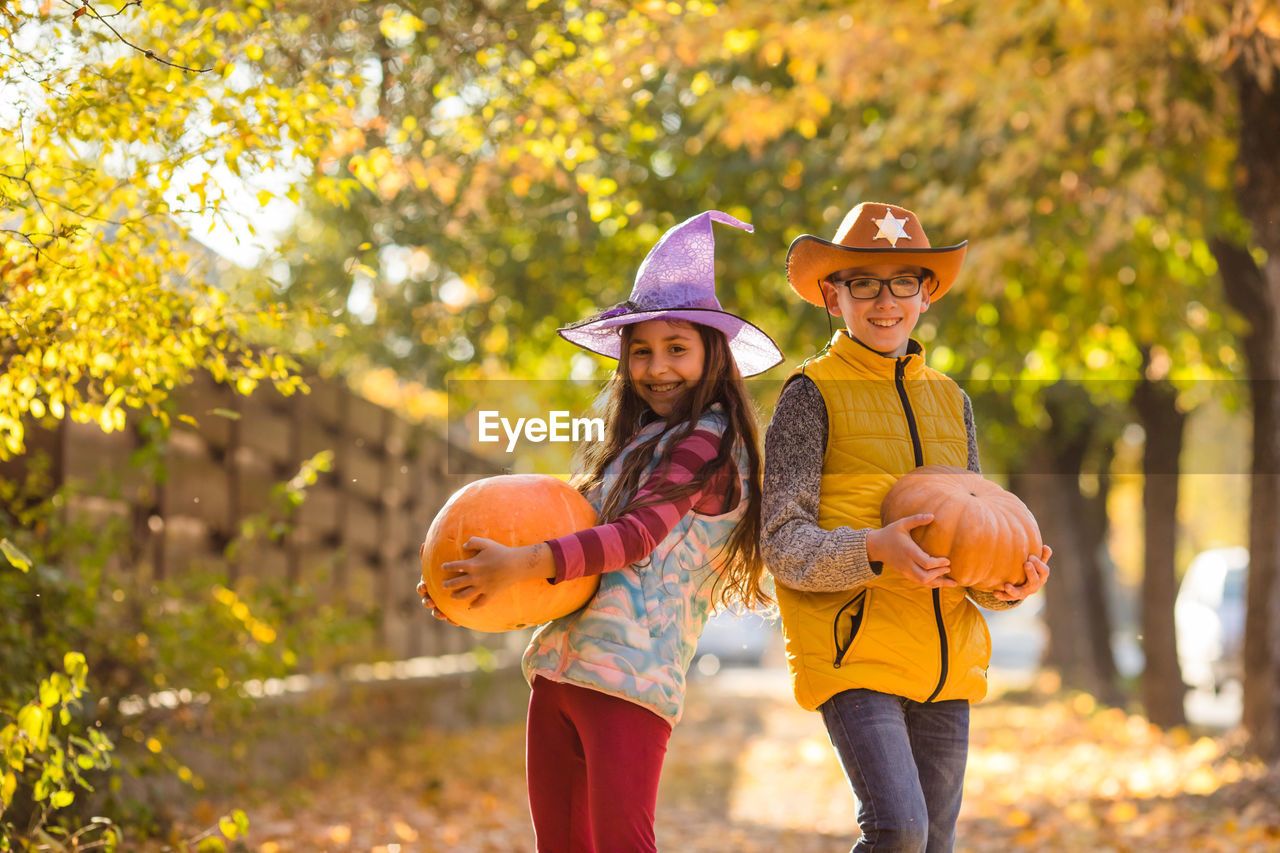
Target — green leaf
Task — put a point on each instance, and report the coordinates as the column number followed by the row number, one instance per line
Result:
column 62, row 799
column 15, row 751
column 75, row 666
column 15, row 555
column 34, row 720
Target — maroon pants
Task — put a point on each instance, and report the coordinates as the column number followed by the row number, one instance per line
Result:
column 592, row 762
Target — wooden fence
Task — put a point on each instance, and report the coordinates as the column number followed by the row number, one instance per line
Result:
column 353, row 541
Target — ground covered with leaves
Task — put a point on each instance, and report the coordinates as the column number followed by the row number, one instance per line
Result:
column 749, row 771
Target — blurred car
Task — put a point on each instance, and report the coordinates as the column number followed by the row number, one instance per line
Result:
column 1209, row 618
column 735, row 639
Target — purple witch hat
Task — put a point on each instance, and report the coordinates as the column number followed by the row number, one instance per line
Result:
column 677, row 281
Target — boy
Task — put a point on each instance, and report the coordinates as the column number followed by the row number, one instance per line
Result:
column 888, row 648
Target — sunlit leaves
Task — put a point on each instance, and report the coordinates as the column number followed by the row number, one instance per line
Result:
column 398, row 26
column 533, row 149
column 103, row 153
column 1046, row 134
column 15, row 556
column 39, row 751
column 748, row 770
column 476, row 141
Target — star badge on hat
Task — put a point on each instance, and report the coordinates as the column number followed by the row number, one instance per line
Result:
column 891, row 229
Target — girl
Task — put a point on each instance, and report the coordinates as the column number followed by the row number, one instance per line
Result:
column 676, row 483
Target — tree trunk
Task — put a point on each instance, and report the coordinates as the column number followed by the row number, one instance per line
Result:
column 1076, row 610
column 1247, row 290
column 1100, row 580
column 1162, row 688
column 1255, row 293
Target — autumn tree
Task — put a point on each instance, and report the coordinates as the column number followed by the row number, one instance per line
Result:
column 1244, row 37
column 121, row 126
column 484, row 174
column 1091, row 151
column 516, row 159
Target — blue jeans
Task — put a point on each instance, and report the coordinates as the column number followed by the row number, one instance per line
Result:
column 905, row 762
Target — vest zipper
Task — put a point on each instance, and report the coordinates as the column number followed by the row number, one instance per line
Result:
column 917, row 450
column 942, row 636
column 900, row 380
column 853, row 632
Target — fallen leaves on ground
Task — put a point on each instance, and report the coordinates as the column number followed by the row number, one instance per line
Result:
column 748, row 771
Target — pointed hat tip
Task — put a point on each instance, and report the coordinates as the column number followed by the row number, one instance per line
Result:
column 725, row 219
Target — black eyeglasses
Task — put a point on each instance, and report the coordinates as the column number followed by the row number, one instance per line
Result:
column 867, row 287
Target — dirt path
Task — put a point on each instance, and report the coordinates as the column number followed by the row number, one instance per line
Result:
column 749, row 771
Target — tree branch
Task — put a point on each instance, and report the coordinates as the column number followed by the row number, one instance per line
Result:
column 150, row 54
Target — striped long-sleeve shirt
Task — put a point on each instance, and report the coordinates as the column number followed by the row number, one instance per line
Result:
column 632, row 536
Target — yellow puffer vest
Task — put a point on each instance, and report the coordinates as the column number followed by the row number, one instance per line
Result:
column 885, row 416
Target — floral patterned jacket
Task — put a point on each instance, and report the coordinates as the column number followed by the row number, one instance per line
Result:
column 637, row 635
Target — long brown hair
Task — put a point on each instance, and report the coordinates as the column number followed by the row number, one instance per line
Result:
column 741, row 578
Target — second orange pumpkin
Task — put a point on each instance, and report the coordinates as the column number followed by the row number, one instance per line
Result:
column 986, row 531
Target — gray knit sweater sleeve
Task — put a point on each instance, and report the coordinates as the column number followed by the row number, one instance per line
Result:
column 801, row 554
column 971, row 433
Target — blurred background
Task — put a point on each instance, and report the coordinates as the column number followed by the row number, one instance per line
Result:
column 264, row 264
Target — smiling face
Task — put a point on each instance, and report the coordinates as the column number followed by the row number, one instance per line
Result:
column 885, row 323
column 665, row 361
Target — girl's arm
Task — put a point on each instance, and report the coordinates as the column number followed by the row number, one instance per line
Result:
column 606, row 547
column 632, row 536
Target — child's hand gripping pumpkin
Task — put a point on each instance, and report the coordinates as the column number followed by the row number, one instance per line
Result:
column 893, row 547
column 1037, row 573
column 431, row 605
column 494, row 567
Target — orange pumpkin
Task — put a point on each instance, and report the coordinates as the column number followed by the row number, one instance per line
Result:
column 513, row 509
column 986, row 531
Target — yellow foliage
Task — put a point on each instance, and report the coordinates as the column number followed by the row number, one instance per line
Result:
column 740, row 41
column 107, row 307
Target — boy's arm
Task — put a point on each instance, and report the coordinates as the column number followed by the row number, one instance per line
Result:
column 980, row 597
column 971, row 433
column 801, row 554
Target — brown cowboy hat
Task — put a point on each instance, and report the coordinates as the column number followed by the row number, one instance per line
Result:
column 871, row 233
